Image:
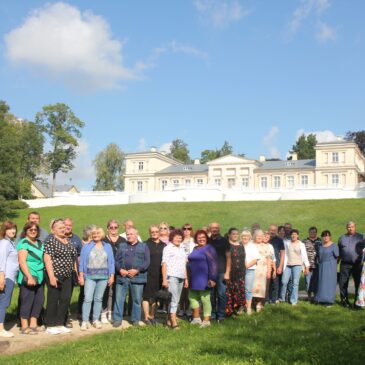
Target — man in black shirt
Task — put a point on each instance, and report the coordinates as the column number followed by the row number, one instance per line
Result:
column 218, row 293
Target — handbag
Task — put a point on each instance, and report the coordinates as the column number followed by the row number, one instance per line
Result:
column 164, row 295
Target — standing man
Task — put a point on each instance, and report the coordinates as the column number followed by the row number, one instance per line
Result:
column 350, row 246
column 288, row 228
column 34, row 217
column 129, row 224
column 74, row 238
column 312, row 244
column 279, row 249
column 218, row 293
column 131, row 264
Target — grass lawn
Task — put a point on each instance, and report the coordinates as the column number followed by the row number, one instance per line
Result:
column 305, row 334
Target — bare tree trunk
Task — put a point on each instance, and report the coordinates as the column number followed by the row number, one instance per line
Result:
column 53, row 183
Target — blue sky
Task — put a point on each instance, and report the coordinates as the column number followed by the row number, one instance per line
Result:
column 143, row 73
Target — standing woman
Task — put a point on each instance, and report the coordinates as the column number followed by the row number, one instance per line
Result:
column 328, row 254
column 97, row 268
column 295, row 258
column 31, row 275
column 203, row 270
column 8, row 270
column 236, row 299
column 360, row 300
column 174, row 275
column 188, row 244
column 60, row 258
column 114, row 239
column 263, row 269
column 252, row 256
column 164, row 232
column 154, row 275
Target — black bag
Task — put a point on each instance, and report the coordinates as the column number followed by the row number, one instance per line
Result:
column 25, row 280
column 163, row 295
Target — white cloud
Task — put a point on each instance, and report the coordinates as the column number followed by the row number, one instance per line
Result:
column 269, row 141
column 321, row 136
column 306, row 9
column 188, row 50
column 142, row 144
column 325, row 33
column 83, row 175
column 165, row 147
column 220, row 13
column 75, row 47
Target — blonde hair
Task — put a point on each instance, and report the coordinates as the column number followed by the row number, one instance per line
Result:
column 100, row 230
column 246, row 232
column 258, row 232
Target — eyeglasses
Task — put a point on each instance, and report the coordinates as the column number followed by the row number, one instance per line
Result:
column 32, row 230
column 187, row 228
column 164, row 228
column 113, row 227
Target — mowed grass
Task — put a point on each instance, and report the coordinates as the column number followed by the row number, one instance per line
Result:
column 306, row 334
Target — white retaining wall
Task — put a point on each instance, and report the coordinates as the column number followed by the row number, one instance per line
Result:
column 195, row 194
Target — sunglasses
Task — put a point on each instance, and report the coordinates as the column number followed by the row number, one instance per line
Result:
column 113, row 227
column 32, row 230
column 187, row 228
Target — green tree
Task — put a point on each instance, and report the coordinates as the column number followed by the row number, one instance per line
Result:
column 179, row 151
column 209, row 155
column 304, row 147
column 358, row 137
column 109, row 166
column 62, row 127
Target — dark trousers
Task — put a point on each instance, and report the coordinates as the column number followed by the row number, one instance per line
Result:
column 58, row 301
column 345, row 271
column 274, row 289
column 31, row 301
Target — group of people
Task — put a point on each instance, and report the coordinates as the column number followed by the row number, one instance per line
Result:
column 203, row 274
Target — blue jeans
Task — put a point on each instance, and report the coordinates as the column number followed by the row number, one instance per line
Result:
column 293, row 273
column 175, row 288
column 93, row 291
column 249, row 279
column 5, row 298
column 218, row 298
column 122, row 290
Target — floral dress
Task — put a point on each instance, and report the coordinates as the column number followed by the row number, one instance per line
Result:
column 361, row 294
column 260, row 281
column 236, row 285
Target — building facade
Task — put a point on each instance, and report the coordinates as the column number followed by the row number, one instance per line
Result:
column 337, row 164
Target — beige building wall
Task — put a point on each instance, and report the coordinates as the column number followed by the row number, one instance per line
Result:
column 284, row 179
column 168, row 181
column 36, row 192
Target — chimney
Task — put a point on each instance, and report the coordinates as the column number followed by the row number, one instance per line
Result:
column 262, row 158
column 294, row 156
column 153, row 149
column 197, row 162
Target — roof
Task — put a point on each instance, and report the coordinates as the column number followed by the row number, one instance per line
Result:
column 46, row 189
column 183, row 169
column 287, row 164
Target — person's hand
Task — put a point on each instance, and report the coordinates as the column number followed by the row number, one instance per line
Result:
column 123, row 272
column 226, row 276
column 306, row 271
column 81, row 280
column 132, row 273
column 186, row 283
column 211, row 283
column 274, row 274
column 2, row 285
column 111, row 281
column 53, row 281
column 279, row 271
column 31, row 281
column 268, row 275
column 165, row 284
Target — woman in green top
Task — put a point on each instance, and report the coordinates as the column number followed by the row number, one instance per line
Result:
column 30, row 278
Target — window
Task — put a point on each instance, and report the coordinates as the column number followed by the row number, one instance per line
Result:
column 176, row 183
column 140, row 166
column 304, row 180
column 245, row 182
column 217, row 182
column 187, row 182
column 164, row 184
column 277, row 182
column 139, row 185
column 263, row 182
column 231, row 183
column 199, row 181
column 335, row 157
column 335, row 179
column 231, row 172
column 217, row 172
column 290, row 181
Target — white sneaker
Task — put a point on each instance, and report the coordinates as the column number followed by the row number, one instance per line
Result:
column 205, row 324
column 104, row 318
column 64, row 329
column 7, row 334
column 84, row 326
column 53, row 330
column 97, row 324
column 196, row 321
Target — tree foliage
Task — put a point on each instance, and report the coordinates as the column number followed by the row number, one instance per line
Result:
column 304, row 147
column 209, row 155
column 62, row 128
column 109, row 166
column 179, row 151
column 358, row 137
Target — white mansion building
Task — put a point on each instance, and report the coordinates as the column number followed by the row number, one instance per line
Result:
column 338, row 164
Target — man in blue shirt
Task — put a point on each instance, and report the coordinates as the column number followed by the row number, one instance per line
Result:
column 350, row 246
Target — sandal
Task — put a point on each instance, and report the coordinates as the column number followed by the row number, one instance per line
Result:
column 25, row 331
column 36, row 329
column 175, row 328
